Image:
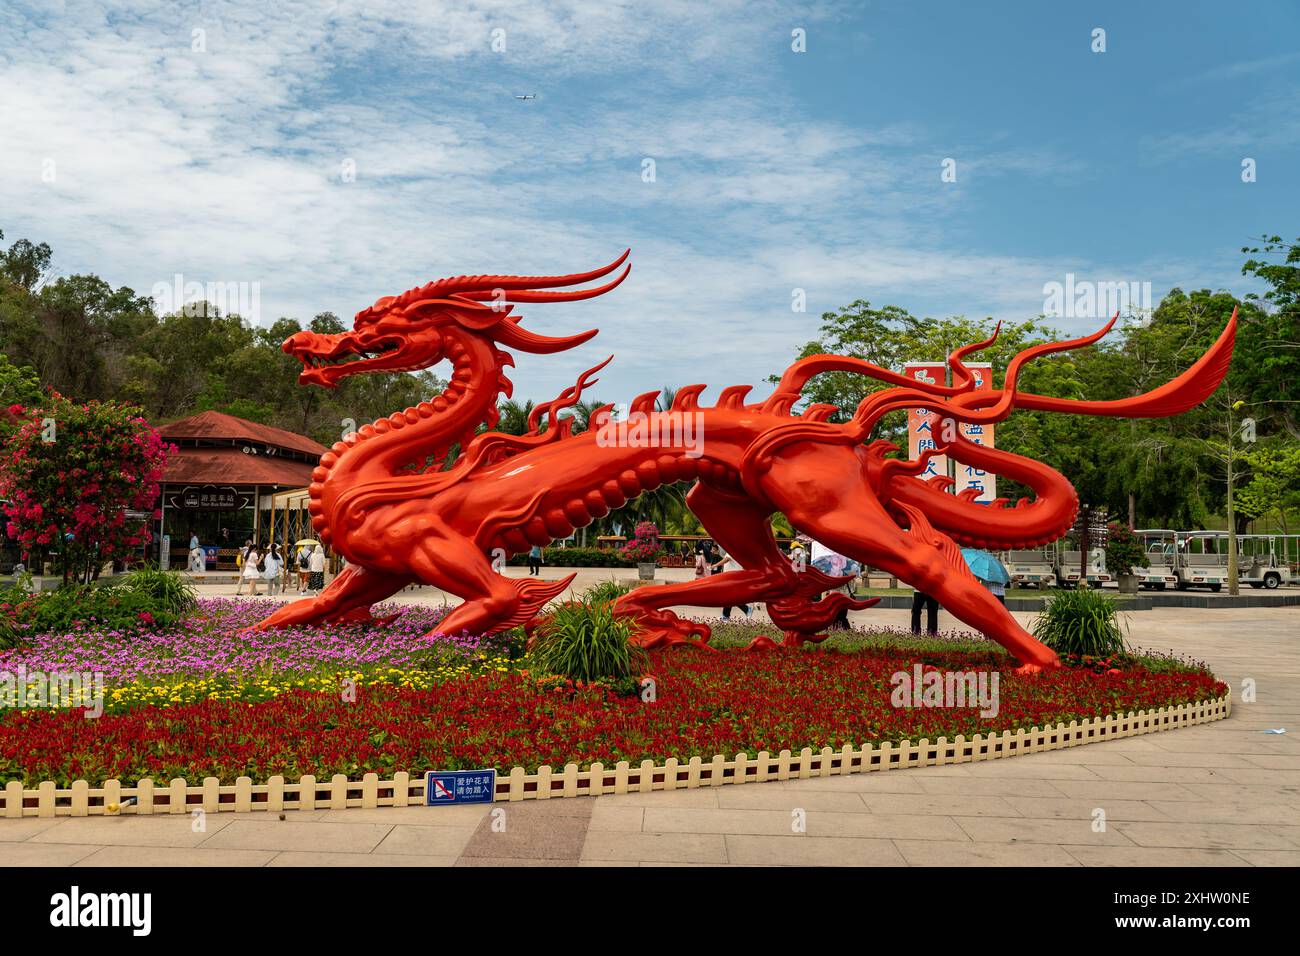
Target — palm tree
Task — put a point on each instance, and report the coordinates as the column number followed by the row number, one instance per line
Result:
column 514, row 416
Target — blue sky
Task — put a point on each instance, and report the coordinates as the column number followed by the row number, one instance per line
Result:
column 774, row 170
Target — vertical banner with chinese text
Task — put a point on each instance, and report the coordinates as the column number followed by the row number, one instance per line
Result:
column 923, row 423
column 969, row 476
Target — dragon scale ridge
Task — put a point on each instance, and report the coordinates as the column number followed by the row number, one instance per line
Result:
column 383, row 499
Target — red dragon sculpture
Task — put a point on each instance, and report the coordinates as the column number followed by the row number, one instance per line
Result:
column 382, row 499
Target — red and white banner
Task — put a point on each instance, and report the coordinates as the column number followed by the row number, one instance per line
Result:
column 969, row 476
column 923, row 424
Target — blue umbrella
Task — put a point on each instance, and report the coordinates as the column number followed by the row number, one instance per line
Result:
column 836, row 565
column 985, row 566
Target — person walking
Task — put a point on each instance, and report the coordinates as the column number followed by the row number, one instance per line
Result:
column 998, row 589
column 701, row 564
column 535, row 560
column 241, row 558
column 931, row 605
column 710, row 557
column 316, row 566
column 272, row 565
column 304, row 568
column 726, row 563
column 252, row 571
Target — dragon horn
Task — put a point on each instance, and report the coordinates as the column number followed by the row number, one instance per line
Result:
column 1186, row 391
column 1006, row 398
column 530, row 295
column 512, row 336
column 463, row 284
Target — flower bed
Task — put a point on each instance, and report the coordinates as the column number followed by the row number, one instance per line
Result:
column 231, row 703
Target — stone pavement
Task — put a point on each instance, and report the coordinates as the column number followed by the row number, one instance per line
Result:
column 1221, row 794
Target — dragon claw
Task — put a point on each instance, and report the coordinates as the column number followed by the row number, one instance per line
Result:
column 654, row 629
column 1030, row 668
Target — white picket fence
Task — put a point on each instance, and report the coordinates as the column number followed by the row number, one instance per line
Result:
column 404, row 789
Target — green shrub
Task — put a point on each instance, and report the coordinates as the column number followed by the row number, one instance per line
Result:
column 143, row 600
column 578, row 558
column 1080, row 622
column 169, row 591
column 584, row 641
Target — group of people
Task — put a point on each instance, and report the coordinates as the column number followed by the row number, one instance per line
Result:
column 265, row 563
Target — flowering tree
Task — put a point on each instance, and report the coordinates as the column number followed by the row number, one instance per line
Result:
column 644, row 547
column 70, row 473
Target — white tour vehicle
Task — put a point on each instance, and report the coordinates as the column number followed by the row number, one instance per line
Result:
column 1263, row 560
column 1158, row 543
column 1030, row 569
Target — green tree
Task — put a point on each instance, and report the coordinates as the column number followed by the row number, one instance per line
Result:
column 1270, row 341
column 1274, row 486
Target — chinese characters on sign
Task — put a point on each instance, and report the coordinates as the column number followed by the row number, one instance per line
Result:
column 924, row 428
column 459, row 786
column 969, row 476
column 923, row 424
column 209, row 498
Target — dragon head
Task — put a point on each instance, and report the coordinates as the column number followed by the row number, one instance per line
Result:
column 409, row 332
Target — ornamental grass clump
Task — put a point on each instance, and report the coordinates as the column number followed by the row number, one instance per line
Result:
column 584, row 641
column 1081, row 622
column 606, row 592
column 169, row 591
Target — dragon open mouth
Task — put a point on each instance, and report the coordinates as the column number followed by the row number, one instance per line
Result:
column 315, row 360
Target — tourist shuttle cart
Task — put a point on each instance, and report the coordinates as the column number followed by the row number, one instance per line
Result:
column 1030, row 569
column 1159, row 545
column 1261, row 558
column 1067, row 565
column 1264, row 561
column 1198, row 562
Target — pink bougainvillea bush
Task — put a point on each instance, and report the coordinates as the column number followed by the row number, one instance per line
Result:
column 70, row 476
column 644, row 546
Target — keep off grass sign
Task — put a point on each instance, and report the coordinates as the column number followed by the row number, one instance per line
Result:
column 459, row 786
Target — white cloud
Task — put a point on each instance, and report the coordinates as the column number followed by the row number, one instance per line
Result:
column 224, row 165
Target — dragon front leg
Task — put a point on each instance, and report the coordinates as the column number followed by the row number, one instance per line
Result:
column 802, row 617
column 440, row 556
column 346, row 599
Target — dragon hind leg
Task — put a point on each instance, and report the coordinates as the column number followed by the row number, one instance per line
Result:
column 839, row 509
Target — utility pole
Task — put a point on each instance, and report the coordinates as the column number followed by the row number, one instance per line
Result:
column 1090, row 526
column 1234, row 586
